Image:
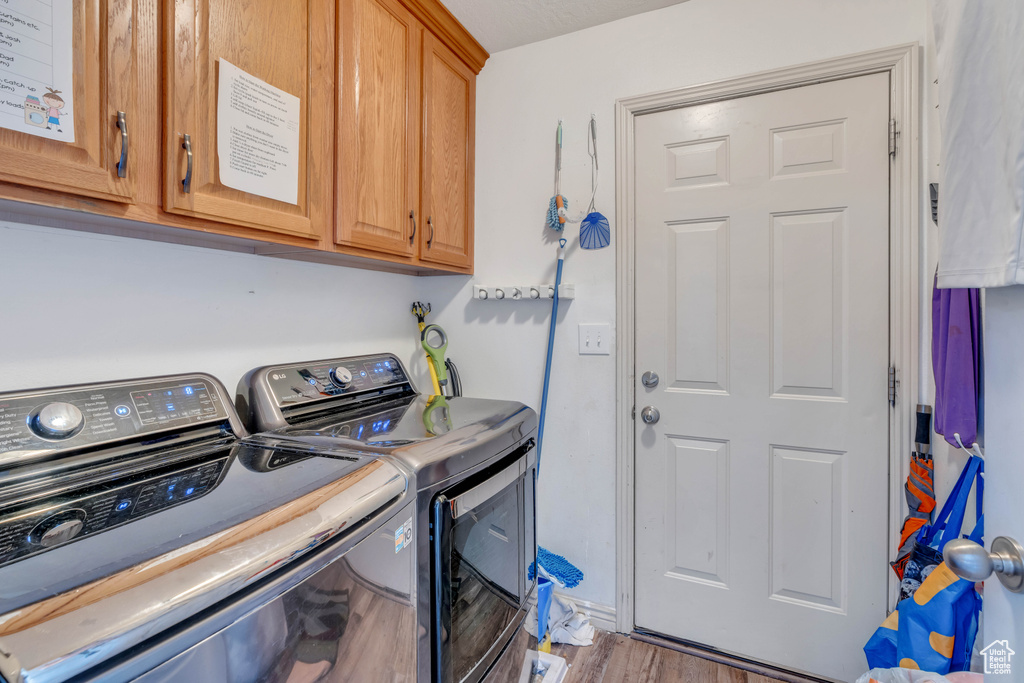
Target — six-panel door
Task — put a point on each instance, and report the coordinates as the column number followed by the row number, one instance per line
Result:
column 762, row 301
column 103, row 54
column 290, row 46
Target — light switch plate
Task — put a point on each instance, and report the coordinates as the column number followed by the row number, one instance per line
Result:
column 595, row 339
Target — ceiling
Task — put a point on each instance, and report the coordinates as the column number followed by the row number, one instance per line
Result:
column 503, row 24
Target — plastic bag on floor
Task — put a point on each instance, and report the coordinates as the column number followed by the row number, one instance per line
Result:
column 566, row 623
column 901, row 676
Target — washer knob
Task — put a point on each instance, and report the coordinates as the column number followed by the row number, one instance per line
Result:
column 342, row 376
column 57, row 421
column 58, row 529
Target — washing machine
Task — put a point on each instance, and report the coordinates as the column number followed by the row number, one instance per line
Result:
column 472, row 463
column 141, row 538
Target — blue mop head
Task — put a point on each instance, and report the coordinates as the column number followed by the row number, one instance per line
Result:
column 552, row 215
column 558, row 567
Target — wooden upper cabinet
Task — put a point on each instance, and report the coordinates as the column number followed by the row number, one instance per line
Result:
column 378, row 124
column 103, row 54
column 286, row 43
column 449, row 114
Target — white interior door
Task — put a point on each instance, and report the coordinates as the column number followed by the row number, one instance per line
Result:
column 1004, row 473
column 762, row 296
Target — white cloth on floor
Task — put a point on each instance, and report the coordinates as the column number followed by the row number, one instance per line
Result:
column 566, row 623
column 981, row 99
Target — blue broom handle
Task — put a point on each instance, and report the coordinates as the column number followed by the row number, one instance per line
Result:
column 551, row 349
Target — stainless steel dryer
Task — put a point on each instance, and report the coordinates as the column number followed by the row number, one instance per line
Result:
column 140, row 538
column 473, row 464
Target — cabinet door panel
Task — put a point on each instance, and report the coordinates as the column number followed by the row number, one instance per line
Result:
column 289, row 45
column 449, row 97
column 104, row 84
column 378, row 152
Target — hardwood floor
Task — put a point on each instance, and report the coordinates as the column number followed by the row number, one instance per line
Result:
column 615, row 658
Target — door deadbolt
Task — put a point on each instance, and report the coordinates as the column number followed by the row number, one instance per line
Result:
column 649, row 379
column 650, row 415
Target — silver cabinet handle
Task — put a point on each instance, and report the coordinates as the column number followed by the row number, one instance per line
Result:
column 650, row 379
column 186, row 184
column 430, row 222
column 412, row 215
column 970, row 561
column 650, row 415
column 122, row 164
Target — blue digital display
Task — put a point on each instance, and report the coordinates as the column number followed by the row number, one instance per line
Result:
column 188, row 391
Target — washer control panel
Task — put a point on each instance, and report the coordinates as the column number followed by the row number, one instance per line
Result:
column 76, row 515
column 297, row 384
column 42, row 422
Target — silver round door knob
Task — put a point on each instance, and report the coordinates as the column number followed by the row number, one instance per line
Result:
column 970, row 561
column 650, row 415
column 649, row 379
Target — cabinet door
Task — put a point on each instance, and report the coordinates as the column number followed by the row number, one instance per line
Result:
column 104, row 84
column 289, row 45
column 378, row 159
column 449, row 111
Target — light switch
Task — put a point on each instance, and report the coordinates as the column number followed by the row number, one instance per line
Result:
column 595, row 339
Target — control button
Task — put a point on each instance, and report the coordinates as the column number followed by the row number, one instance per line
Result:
column 123, row 505
column 61, row 533
column 57, row 421
column 341, row 376
column 59, row 528
column 122, row 411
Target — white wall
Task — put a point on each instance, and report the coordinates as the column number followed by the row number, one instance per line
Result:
column 521, row 95
column 80, row 307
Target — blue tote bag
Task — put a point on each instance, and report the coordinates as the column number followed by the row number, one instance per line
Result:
column 934, row 627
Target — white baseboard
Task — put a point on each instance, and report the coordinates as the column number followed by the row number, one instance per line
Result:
column 601, row 616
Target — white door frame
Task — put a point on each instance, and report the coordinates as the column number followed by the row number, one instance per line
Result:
column 901, row 63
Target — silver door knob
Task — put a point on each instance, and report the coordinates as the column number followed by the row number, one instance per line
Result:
column 970, row 561
column 649, row 379
column 650, row 415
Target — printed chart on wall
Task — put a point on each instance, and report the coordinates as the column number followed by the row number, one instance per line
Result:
column 257, row 136
column 36, row 76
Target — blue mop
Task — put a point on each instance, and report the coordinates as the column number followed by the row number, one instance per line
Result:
column 556, row 567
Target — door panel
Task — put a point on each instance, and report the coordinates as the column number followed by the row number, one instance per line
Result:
column 378, row 155
column 762, row 298
column 449, row 97
column 104, row 84
column 287, row 44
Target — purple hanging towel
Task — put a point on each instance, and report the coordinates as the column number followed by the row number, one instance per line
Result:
column 956, row 362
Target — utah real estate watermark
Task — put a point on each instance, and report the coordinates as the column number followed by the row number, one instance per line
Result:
column 997, row 657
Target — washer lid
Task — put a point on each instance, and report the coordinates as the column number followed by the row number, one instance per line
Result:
column 436, row 437
column 115, row 577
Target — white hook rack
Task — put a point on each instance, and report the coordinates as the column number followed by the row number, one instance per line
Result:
column 523, row 292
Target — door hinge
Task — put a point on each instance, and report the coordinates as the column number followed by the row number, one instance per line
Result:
column 633, row 414
column 893, row 385
column 894, row 135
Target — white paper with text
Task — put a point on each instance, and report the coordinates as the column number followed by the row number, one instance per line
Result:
column 36, row 68
column 257, row 136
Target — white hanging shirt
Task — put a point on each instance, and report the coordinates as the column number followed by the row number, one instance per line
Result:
column 980, row 47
